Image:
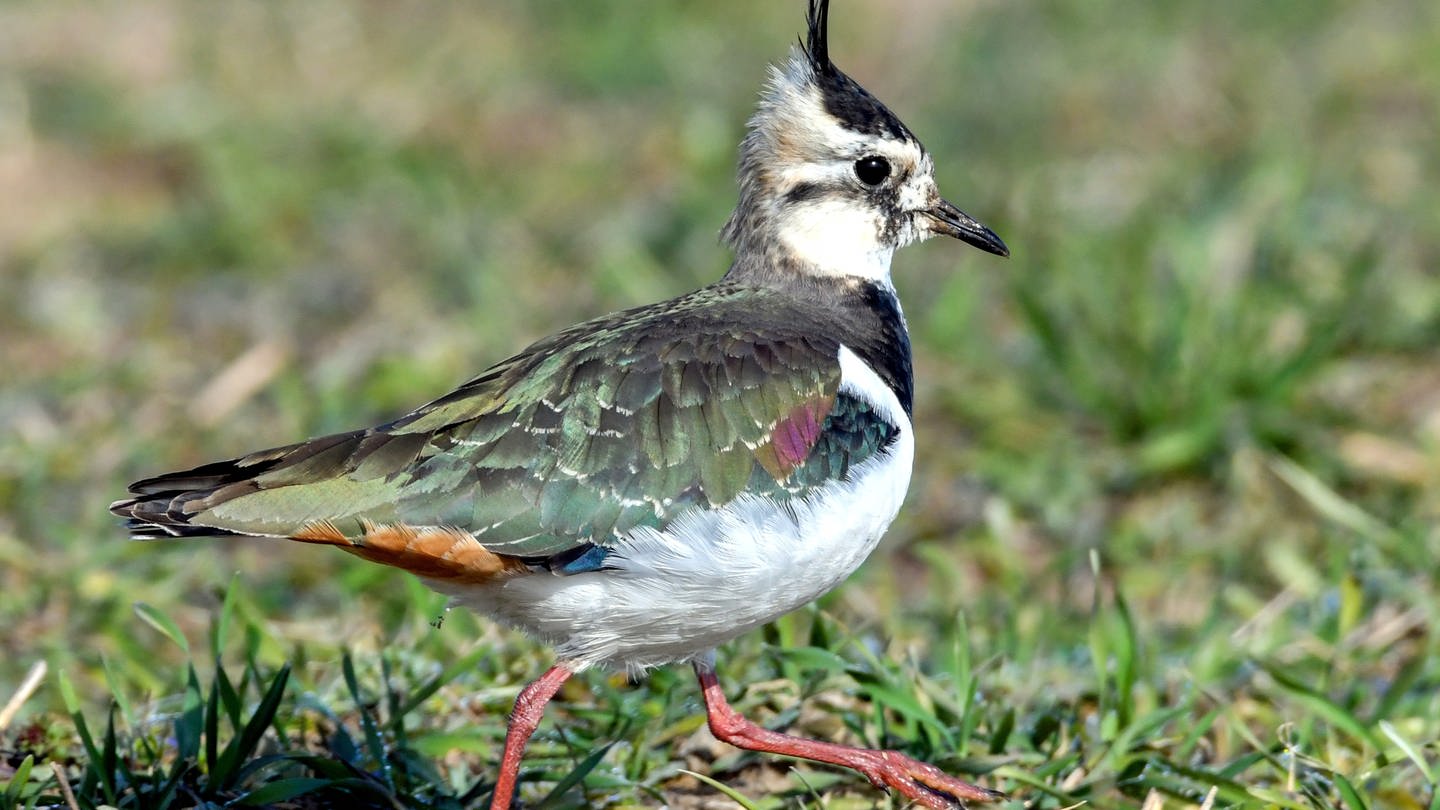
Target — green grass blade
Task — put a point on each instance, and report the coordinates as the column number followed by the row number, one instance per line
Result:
column 228, row 695
column 217, row 766
column 265, row 713
column 159, row 620
column 574, row 777
column 1411, row 752
column 1348, row 794
column 1323, row 706
column 283, row 790
column 243, row 746
column 15, row 788
column 110, row 761
column 112, row 683
column 220, row 637
column 810, row 659
column 373, row 741
column 902, row 701
column 1127, row 666
column 734, row 795
column 190, row 725
column 1003, row 729
column 178, row 772
column 1196, row 733
column 94, row 773
column 1182, row 780
column 450, row 673
column 67, row 693
column 1329, row 503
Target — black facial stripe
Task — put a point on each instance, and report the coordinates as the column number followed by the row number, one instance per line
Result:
column 804, row 192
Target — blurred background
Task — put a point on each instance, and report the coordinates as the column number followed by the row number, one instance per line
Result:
column 1208, row 371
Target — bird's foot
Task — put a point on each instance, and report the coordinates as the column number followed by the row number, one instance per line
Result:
column 924, row 784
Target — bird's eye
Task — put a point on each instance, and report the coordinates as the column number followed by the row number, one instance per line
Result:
column 872, row 170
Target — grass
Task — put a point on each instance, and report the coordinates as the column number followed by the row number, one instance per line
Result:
column 1170, row 540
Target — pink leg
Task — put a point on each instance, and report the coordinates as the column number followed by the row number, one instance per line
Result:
column 529, row 706
column 923, row 784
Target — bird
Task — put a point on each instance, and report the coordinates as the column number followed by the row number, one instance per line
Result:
column 640, row 488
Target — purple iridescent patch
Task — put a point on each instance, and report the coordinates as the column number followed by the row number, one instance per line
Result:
column 795, row 435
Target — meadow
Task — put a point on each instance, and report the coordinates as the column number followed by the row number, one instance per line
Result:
column 1171, row 539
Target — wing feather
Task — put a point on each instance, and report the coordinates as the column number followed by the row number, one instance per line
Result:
column 626, row 421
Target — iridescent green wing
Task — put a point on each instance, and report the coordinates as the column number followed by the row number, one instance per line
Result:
column 624, row 422
column 593, row 441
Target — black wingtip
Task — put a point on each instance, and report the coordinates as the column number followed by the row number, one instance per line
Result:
column 817, row 40
column 158, row 517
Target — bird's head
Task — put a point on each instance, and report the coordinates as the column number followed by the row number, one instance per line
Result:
column 831, row 182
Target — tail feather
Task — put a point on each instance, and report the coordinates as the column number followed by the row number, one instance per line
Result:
column 166, row 506
column 154, row 517
column 159, row 508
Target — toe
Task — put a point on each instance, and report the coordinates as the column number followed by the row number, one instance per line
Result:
column 933, row 788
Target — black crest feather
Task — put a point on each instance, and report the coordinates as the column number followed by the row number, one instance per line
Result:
column 817, row 40
column 847, row 101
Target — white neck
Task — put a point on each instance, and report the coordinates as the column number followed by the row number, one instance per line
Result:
column 837, row 239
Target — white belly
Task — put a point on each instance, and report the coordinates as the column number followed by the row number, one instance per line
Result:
column 674, row 595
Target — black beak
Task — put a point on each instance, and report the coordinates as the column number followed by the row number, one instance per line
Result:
column 951, row 221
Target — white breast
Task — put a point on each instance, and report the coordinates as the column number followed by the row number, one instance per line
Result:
column 673, row 595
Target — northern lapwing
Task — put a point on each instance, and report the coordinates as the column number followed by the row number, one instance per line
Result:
column 643, row 487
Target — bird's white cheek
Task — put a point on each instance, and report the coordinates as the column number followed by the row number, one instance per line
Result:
column 837, row 238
